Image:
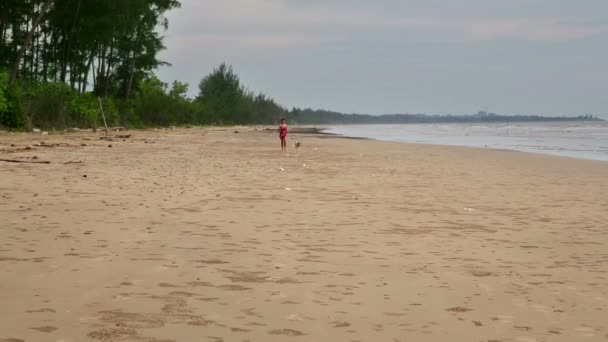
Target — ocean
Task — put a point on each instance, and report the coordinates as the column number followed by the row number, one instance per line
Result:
column 585, row 140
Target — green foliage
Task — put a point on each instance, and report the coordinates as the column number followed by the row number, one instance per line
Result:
column 44, row 104
column 155, row 105
column 121, row 39
column 84, row 111
column 150, row 104
column 10, row 111
column 221, row 93
column 227, row 102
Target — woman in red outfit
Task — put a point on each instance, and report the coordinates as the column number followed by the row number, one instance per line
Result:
column 283, row 134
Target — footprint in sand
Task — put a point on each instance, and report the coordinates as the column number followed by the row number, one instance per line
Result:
column 525, row 339
column 585, row 331
column 46, row 329
column 503, row 319
column 295, row 318
column 459, row 309
column 39, row 311
column 341, row 324
column 287, row 332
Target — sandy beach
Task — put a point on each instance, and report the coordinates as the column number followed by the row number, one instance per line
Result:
column 208, row 235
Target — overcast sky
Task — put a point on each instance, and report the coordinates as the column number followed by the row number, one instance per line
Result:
column 547, row 57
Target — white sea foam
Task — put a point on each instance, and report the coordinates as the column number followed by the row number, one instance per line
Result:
column 586, row 140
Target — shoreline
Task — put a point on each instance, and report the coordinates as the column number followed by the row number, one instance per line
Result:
column 305, row 130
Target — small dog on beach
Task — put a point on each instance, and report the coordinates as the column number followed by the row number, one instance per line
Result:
column 297, row 145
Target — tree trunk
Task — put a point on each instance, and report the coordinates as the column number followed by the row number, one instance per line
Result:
column 85, row 81
column 101, row 68
column 45, row 62
column 132, row 73
column 64, row 60
column 70, row 61
column 28, row 40
column 93, row 71
column 3, row 27
column 27, row 29
column 107, row 71
column 73, row 75
column 36, row 55
column 2, row 31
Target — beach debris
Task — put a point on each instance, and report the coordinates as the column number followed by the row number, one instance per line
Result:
column 24, row 161
column 36, row 130
column 288, row 189
column 110, row 145
column 281, row 169
column 45, row 133
column 74, row 162
column 112, row 137
column 45, row 144
column 84, row 176
column 236, row 132
column 469, row 209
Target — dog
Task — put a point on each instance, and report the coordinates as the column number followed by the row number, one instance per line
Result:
column 297, row 145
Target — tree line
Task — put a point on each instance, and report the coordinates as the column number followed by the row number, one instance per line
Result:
column 62, row 60
column 310, row 116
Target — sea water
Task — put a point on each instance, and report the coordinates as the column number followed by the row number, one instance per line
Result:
column 584, row 139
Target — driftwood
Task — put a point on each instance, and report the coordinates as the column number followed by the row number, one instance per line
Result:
column 24, row 161
column 43, row 144
column 112, row 137
column 74, row 162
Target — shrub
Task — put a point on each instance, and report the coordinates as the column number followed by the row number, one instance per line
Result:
column 10, row 111
column 44, row 104
column 84, row 111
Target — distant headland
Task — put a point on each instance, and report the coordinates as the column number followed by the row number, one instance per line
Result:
column 310, row 116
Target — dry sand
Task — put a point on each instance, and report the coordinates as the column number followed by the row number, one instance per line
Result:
column 207, row 235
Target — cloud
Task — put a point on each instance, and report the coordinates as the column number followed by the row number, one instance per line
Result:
column 532, row 29
column 280, row 23
column 249, row 41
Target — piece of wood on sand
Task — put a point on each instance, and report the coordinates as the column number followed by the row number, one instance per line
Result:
column 112, row 137
column 24, row 161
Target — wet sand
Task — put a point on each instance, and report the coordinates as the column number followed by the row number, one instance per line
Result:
column 208, row 235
